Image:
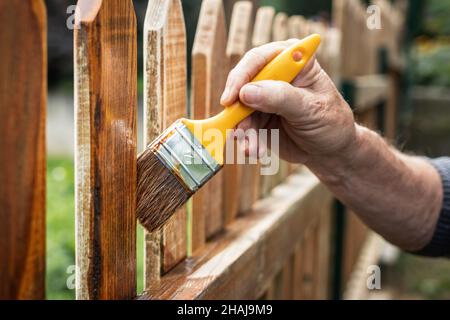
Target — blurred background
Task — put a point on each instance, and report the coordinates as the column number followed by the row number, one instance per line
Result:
column 424, row 122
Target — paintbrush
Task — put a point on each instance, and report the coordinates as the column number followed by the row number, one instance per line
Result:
column 185, row 156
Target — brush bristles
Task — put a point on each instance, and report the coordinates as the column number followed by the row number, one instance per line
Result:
column 159, row 192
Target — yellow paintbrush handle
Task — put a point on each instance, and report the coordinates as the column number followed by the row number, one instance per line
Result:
column 282, row 68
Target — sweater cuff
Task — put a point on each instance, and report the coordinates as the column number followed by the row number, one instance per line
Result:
column 440, row 243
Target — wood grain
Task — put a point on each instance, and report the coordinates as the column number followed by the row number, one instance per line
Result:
column 286, row 289
column 297, row 272
column 296, row 27
column 262, row 31
column 105, row 103
column 324, row 262
column 343, row 23
column 356, row 233
column 370, row 254
column 282, row 286
column 309, row 264
column 369, row 91
column 250, row 172
column 280, row 30
column 262, row 34
column 240, row 263
column 23, row 90
column 210, row 68
column 164, row 103
column 238, row 44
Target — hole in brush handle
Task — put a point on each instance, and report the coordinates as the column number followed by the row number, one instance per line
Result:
column 297, row 56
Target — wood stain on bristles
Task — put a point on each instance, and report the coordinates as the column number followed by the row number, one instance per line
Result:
column 159, row 192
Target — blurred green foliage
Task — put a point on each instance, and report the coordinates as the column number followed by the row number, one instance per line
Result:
column 60, row 227
column 61, row 231
column 422, row 278
column 431, row 49
column 431, row 62
column 435, row 18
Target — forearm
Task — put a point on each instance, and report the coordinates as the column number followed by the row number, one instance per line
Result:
column 398, row 196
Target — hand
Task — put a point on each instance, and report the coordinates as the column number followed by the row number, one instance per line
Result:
column 313, row 118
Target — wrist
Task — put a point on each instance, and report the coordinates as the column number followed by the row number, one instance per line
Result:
column 335, row 169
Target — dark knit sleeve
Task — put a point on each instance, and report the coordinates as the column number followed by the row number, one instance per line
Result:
column 440, row 243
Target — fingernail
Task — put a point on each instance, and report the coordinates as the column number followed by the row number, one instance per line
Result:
column 251, row 94
column 225, row 95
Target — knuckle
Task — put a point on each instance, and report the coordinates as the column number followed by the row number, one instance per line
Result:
column 256, row 57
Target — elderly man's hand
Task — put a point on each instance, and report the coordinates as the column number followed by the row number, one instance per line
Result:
column 313, row 118
column 398, row 196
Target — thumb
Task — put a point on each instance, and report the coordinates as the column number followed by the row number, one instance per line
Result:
column 276, row 97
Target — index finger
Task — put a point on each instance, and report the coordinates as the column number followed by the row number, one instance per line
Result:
column 249, row 66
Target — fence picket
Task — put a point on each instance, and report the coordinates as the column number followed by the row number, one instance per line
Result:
column 105, row 103
column 262, row 31
column 238, row 44
column 23, row 96
column 165, row 102
column 295, row 26
column 210, row 67
column 262, row 34
column 280, row 29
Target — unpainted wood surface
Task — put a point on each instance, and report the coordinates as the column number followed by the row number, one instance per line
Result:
column 251, row 177
column 238, row 44
column 281, row 287
column 262, row 31
column 280, row 29
column 23, row 90
column 210, row 68
column 309, row 257
column 370, row 254
column 105, row 104
column 343, row 23
column 155, row 20
column 165, row 102
column 355, row 234
column 280, row 32
column 369, row 91
column 324, row 262
column 297, row 274
column 240, row 263
column 262, row 34
column 239, row 36
column 296, row 26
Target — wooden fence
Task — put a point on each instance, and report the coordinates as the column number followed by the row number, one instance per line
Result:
column 243, row 236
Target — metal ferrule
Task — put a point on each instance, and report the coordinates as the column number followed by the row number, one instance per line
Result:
column 185, row 156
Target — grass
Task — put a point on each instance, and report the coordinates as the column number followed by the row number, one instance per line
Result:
column 60, row 273
column 60, row 228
